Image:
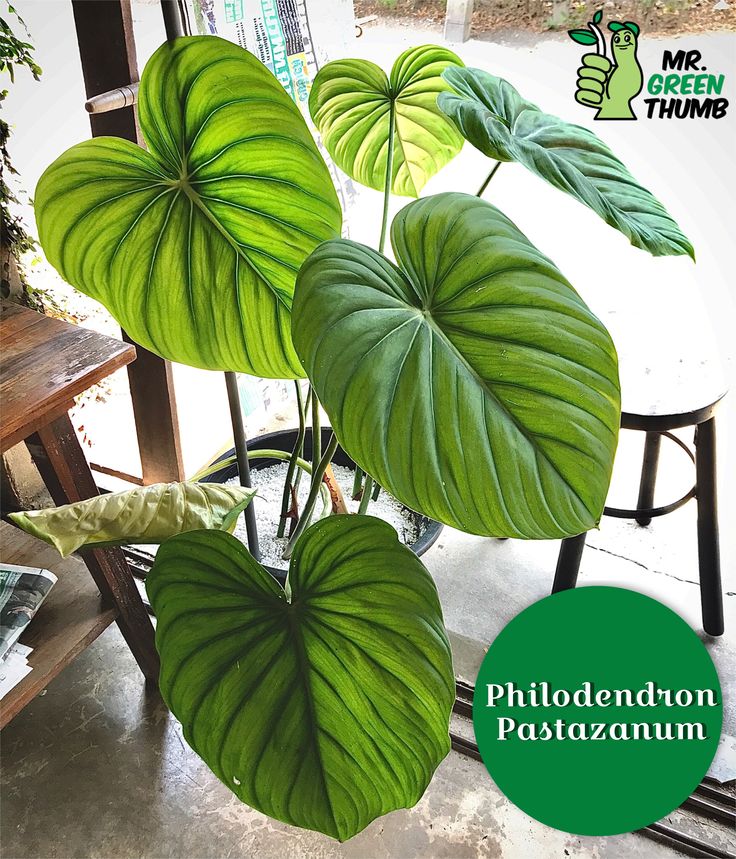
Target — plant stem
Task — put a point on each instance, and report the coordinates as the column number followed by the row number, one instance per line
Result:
column 241, row 452
column 302, row 464
column 316, row 434
column 295, row 454
column 306, row 516
column 488, row 179
column 366, row 496
column 307, row 401
column 357, row 482
column 389, row 178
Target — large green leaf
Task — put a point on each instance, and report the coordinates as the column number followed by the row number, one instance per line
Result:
column 194, row 245
column 149, row 514
column 471, row 381
column 352, row 103
column 324, row 706
column 492, row 115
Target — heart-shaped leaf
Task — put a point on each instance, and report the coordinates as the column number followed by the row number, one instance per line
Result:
column 353, row 104
column 324, row 706
column 492, row 115
column 149, row 514
column 194, row 245
column 471, row 381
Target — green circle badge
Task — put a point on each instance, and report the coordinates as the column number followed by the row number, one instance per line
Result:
column 597, row 711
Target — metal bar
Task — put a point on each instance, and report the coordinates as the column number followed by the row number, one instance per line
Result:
column 709, row 559
column 710, row 809
column 568, row 563
column 241, row 453
column 683, row 842
column 464, row 747
column 172, row 19
column 107, row 53
column 713, row 789
column 648, row 476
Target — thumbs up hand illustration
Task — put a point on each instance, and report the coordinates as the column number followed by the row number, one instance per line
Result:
column 592, row 77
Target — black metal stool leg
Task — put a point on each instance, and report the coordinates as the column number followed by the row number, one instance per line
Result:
column 708, row 550
column 568, row 563
column 648, row 475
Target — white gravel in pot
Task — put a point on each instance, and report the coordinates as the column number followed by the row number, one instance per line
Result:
column 269, row 483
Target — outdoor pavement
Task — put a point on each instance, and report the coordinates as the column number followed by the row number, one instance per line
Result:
column 96, row 768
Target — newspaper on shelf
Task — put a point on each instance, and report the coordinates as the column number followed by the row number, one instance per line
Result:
column 14, row 667
column 22, row 590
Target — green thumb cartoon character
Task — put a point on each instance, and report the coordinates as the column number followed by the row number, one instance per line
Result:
column 608, row 85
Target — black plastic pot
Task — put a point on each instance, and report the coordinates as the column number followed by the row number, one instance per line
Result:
column 285, row 440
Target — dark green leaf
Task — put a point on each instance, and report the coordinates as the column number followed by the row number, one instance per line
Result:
column 583, row 37
column 194, row 245
column 351, row 103
column 598, row 17
column 471, row 381
column 568, row 156
column 325, row 706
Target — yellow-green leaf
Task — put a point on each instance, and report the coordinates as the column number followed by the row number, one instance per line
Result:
column 352, row 103
column 194, row 245
column 149, row 514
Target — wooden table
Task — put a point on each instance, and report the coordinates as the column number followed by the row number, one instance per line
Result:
column 44, row 364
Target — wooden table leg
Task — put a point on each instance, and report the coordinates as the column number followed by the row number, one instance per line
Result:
column 63, row 466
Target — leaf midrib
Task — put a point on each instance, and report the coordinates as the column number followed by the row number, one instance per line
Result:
column 195, row 198
column 304, row 673
column 485, row 386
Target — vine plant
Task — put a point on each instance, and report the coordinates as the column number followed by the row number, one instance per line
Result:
column 465, row 375
column 15, row 240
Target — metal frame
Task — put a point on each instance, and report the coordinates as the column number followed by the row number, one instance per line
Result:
column 644, row 512
column 704, row 491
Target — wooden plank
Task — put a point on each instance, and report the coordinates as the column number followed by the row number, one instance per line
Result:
column 45, row 363
column 108, row 56
column 60, row 460
column 72, row 616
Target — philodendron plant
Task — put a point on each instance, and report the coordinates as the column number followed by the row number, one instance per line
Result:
column 465, row 375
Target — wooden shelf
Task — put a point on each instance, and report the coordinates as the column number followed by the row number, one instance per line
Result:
column 45, row 364
column 71, row 617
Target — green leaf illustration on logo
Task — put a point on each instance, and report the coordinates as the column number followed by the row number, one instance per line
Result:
column 326, row 705
column 352, row 103
column 582, row 37
column 149, row 514
column 472, row 381
column 194, row 245
column 492, row 115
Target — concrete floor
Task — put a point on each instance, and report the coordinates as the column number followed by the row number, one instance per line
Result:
column 95, row 768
